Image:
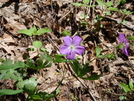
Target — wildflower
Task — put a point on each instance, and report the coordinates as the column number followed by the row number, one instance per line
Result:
column 123, row 41
column 71, row 47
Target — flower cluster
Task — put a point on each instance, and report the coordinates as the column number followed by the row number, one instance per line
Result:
column 123, row 41
column 71, row 47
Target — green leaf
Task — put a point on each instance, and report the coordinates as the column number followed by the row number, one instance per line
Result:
column 91, row 6
column 120, row 1
column 28, row 85
column 33, row 30
column 109, row 56
column 30, row 64
column 110, row 3
column 86, row 1
column 132, row 43
column 123, row 1
column 30, row 49
column 76, row 67
column 125, row 12
column 9, row 92
column 99, row 17
column 59, row 58
column 120, row 46
column 25, row 31
column 77, row 4
column 131, row 38
column 97, row 51
column 36, row 97
column 125, row 87
column 46, row 56
column 122, row 97
column 41, row 64
column 124, row 22
column 83, row 70
column 100, row 2
column 13, row 74
column 131, row 85
column 113, row 9
column 43, row 49
column 83, row 16
column 8, row 64
column 47, row 64
column 95, row 20
column 20, row 84
column 3, row 72
column 37, row 44
column 65, row 33
column 43, row 30
column 107, row 12
column 44, row 95
column 1, row 60
column 83, row 23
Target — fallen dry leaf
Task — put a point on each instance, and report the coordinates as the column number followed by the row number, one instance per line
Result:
column 13, row 26
column 6, row 38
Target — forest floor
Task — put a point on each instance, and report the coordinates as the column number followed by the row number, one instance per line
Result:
column 93, row 24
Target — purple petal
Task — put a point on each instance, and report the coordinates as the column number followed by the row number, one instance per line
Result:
column 121, row 37
column 76, row 40
column 67, row 40
column 124, row 50
column 64, row 50
column 70, row 55
column 125, row 43
column 79, row 50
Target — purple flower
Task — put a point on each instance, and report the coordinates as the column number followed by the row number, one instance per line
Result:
column 71, row 47
column 123, row 41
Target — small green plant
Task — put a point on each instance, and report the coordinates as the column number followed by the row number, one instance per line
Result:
column 16, row 71
column 125, row 12
column 9, row 92
column 65, row 33
column 122, row 97
column 131, row 40
column 8, row 71
column 127, row 88
column 33, row 31
column 73, row 97
column 107, row 6
column 28, row 85
column 81, row 71
column 37, row 44
column 98, row 54
column 43, row 95
column 120, row 2
column 98, row 18
column 39, row 63
column 84, row 3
